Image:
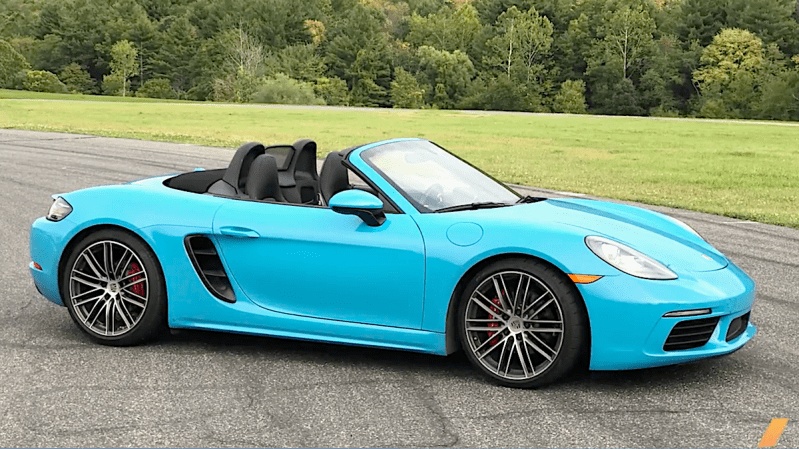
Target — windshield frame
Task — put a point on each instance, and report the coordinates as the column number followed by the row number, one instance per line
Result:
column 418, row 206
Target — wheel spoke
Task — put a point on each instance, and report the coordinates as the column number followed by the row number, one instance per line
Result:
column 86, row 293
column 133, row 301
column 486, row 329
column 93, row 264
column 491, row 349
column 108, row 251
column 483, row 320
column 500, row 296
column 102, row 304
column 90, row 284
column 124, row 261
column 87, row 276
column 510, row 307
column 501, row 354
column 544, row 329
column 526, row 290
column 109, row 319
column 543, row 322
column 547, row 355
column 527, row 358
column 487, row 308
column 535, row 302
column 551, row 300
column 137, row 281
column 86, row 301
column 517, row 346
column 119, row 305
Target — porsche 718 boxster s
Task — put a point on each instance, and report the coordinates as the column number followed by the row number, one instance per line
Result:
column 396, row 244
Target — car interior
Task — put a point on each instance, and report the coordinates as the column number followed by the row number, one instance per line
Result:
column 279, row 174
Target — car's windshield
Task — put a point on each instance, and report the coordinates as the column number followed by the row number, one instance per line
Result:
column 433, row 179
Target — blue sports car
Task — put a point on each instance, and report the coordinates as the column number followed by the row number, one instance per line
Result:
column 396, row 244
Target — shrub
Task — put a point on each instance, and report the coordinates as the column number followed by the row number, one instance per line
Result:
column 43, row 81
column 333, row 90
column 570, row 98
column 157, row 88
column 77, row 80
column 284, row 90
column 112, row 84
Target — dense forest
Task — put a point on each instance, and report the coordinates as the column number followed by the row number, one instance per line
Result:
column 705, row 58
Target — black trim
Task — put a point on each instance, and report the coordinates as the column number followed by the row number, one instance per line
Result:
column 372, row 217
column 690, row 334
column 737, row 327
column 387, row 201
column 209, row 267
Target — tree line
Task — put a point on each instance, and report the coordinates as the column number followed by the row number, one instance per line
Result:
column 706, row 58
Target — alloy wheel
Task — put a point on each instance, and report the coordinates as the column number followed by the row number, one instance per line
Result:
column 108, row 288
column 514, row 325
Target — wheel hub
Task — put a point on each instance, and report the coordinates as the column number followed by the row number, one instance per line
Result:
column 515, row 325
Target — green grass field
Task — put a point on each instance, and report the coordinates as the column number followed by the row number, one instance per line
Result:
column 746, row 170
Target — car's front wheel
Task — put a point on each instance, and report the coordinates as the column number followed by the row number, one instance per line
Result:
column 522, row 324
column 113, row 288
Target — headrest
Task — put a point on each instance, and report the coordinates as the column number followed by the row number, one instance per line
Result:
column 236, row 173
column 262, row 181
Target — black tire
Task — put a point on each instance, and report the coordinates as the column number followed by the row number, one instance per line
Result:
column 125, row 308
column 530, row 347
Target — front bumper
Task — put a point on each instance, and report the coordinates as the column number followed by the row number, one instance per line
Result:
column 628, row 329
column 47, row 242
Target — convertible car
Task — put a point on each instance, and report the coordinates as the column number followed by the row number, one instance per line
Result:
column 396, row 244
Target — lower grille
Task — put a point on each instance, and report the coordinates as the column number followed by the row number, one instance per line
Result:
column 737, row 327
column 690, row 334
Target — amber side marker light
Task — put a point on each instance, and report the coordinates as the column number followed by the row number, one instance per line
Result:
column 37, row 266
column 583, row 278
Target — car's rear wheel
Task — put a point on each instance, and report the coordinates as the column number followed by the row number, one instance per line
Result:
column 522, row 324
column 114, row 290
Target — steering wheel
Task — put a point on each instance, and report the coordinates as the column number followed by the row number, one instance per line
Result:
column 433, row 196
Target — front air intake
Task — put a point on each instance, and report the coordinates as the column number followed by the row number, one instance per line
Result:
column 690, row 334
column 205, row 259
column 737, row 327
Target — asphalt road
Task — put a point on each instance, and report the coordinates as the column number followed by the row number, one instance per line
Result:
column 210, row 389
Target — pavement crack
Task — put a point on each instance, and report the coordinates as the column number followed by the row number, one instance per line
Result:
column 427, row 396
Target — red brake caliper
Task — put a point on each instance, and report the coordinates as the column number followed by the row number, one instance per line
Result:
column 490, row 333
column 138, row 288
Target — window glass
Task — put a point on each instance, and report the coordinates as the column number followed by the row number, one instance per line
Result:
column 432, row 178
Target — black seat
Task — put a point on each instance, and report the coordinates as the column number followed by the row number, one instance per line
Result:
column 235, row 179
column 262, row 182
column 297, row 172
column 334, row 177
column 303, row 165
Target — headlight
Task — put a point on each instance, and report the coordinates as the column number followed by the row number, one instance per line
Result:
column 627, row 259
column 59, row 210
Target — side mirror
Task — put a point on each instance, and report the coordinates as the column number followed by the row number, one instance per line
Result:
column 366, row 206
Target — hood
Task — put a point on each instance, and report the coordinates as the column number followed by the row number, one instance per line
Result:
column 651, row 233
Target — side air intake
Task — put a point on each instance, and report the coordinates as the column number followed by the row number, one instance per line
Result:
column 205, row 259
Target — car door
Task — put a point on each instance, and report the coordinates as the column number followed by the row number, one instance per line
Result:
column 314, row 262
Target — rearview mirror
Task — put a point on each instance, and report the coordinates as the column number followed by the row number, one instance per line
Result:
column 366, row 206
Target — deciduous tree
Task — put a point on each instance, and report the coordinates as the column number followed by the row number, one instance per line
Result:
column 124, row 62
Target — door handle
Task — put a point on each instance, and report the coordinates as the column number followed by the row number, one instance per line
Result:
column 235, row 231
